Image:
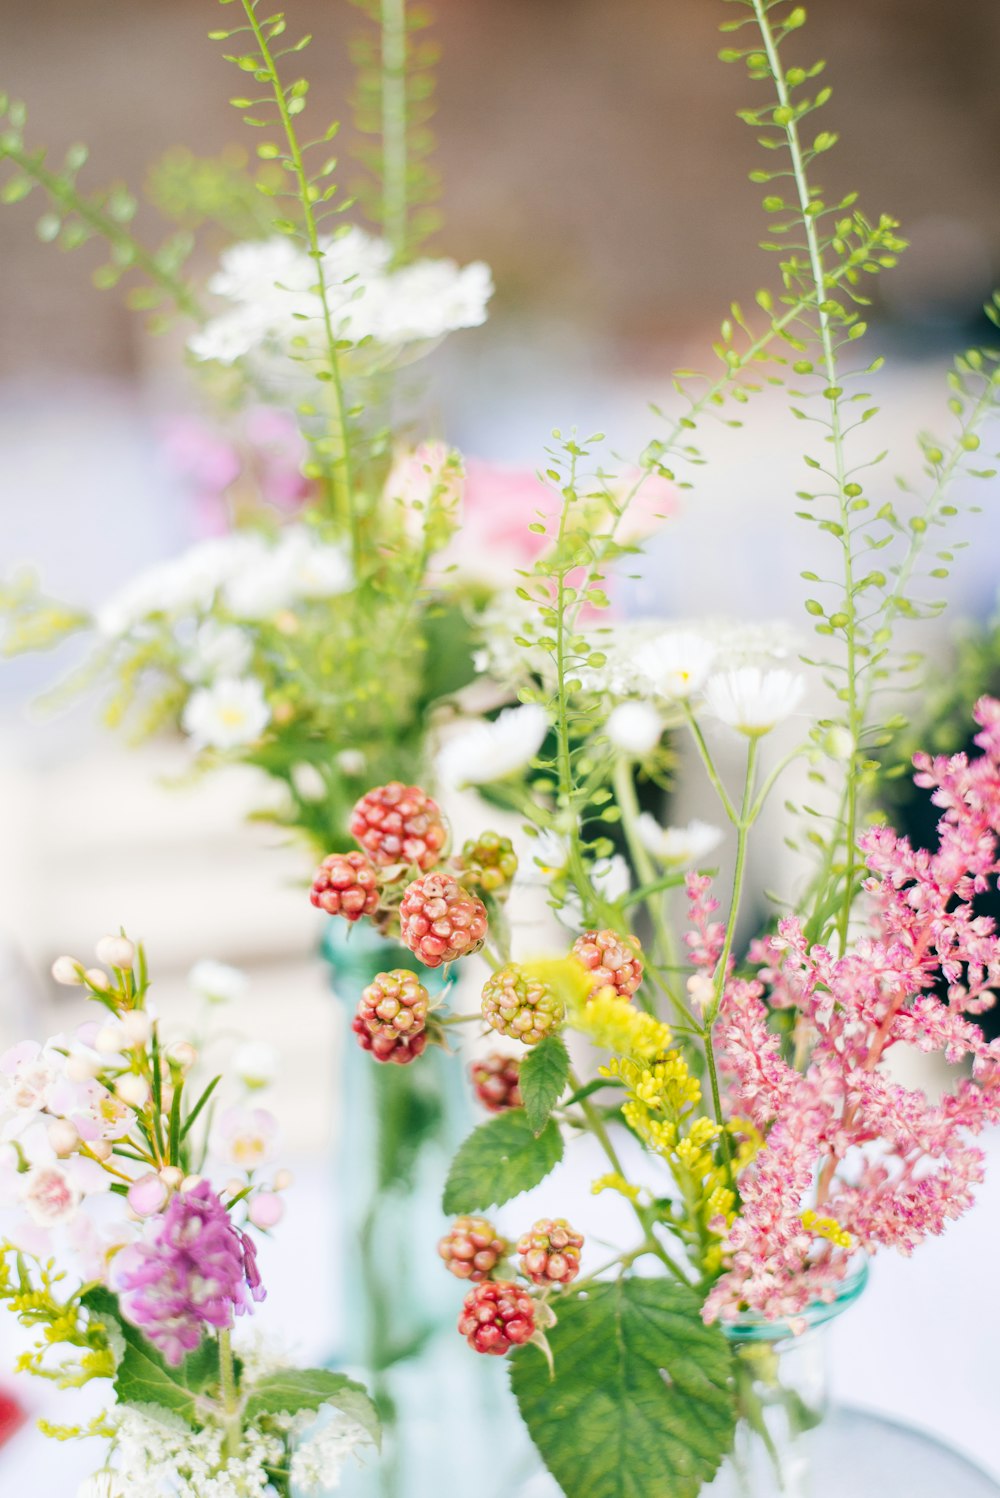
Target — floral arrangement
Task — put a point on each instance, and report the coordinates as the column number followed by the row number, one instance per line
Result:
column 129, row 1264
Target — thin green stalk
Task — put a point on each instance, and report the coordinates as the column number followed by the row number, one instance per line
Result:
column 628, row 805
column 230, row 1399
column 709, row 763
column 395, row 129
column 340, row 479
column 827, row 343
column 743, row 824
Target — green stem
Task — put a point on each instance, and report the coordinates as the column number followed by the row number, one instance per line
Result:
column 339, row 474
column 395, row 156
column 628, row 805
column 743, row 824
column 709, row 763
column 230, row 1398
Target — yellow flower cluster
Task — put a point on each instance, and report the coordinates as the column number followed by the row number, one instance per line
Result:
column 615, row 1024
column 826, row 1227
column 614, row 1182
column 60, row 1323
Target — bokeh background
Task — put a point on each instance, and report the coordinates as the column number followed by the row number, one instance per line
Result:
column 592, row 155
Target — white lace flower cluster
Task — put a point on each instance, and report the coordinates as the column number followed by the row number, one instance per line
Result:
column 158, row 1454
column 276, row 309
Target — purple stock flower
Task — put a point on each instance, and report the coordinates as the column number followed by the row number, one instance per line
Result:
column 191, row 1270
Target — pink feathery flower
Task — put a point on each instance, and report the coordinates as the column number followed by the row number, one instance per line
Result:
column 192, row 1269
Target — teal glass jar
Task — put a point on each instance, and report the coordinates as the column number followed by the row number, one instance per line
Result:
column 398, row 1310
column 792, row 1443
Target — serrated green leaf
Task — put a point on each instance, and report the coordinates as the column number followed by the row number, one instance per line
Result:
column 641, row 1401
column 499, row 1160
column 296, row 1389
column 543, row 1077
column 143, row 1377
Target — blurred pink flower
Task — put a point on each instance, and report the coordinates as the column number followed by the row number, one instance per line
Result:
column 266, row 451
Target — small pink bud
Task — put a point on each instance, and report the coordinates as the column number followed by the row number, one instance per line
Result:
column 266, row 1210
column 147, row 1195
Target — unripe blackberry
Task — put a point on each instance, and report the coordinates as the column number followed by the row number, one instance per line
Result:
column 346, row 884
column 614, row 960
column 440, row 921
column 520, row 1006
column 497, row 1316
column 496, row 1079
column 391, row 1020
column 550, row 1253
column 398, row 823
column 472, row 1249
column 488, row 862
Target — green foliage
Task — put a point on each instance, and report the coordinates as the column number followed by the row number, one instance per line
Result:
column 641, row 1399
column 195, row 191
column 294, row 1389
column 142, row 1375
column 31, row 621
column 499, row 1160
column 543, row 1078
column 73, row 217
column 394, row 105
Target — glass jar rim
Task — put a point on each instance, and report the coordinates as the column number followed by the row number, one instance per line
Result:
column 752, row 1327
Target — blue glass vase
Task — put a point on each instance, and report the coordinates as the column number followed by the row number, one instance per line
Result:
column 451, row 1424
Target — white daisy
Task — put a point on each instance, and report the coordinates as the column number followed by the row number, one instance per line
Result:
column 676, row 663
column 635, row 728
column 492, row 750
column 754, row 701
column 678, row 847
column 226, row 715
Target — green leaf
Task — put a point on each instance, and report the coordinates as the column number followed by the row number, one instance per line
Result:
column 296, row 1389
column 143, row 1377
column 641, row 1401
column 543, row 1078
column 499, row 1160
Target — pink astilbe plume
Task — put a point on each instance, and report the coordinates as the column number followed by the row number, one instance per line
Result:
column 872, row 1158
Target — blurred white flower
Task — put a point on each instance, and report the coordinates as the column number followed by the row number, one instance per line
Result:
column 183, row 585
column 245, row 1137
column 298, row 566
column 227, row 714
column 635, row 728
column 679, row 847
column 322, row 1452
column 676, row 663
column 255, row 1063
column 308, row 783
column 217, row 981
column 490, row 750
column 101, row 1485
column 753, row 701
column 217, row 650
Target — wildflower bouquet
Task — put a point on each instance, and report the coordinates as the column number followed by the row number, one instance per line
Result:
column 747, row 1099
column 129, row 1264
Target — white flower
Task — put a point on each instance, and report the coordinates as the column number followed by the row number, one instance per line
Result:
column 678, row 846
column 217, row 650
column 319, row 1458
column 298, row 566
column 490, row 750
column 217, row 981
column 27, row 1078
column 245, row 1137
column 676, row 663
column 101, row 1485
column 183, row 585
column 308, row 782
column 753, row 701
column 255, row 1063
column 635, row 728
column 226, row 715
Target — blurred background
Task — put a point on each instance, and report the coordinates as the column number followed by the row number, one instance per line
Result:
column 592, row 156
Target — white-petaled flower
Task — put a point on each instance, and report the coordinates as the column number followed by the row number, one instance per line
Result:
column 255, row 1063
column 102, row 1485
column 183, row 585
column 245, row 1137
column 635, row 728
column 217, row 981
column 676, row 663
column 491, row 750
column 753, row 701
column 322, row 1451
column 678, row 847
column 28, row 1076
column 298, row 566
column 217, row 650
column 226, row 715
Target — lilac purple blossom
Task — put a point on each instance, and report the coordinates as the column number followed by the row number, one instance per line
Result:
column 191, row 1270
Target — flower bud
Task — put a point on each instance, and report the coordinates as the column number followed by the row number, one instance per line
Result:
column 63, row 1136
column 147, row 1195
column 234, row 1186
column 138, row 1027
column 283, row 1179
column 133, row 1090
column 351, row 762
column 172, row 1176
column 190, row 1182
column 266, row 1210
column 115, row 951
column 67, row 971
column 701, row 991
column 96, row 977
column 183, row 1055
column 101, row 1149
column 109, row 1040
column 81, row 1068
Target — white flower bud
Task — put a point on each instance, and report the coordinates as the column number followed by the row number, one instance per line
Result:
column 839, row 742
column 701, row 991
column 255, row 1063
column 283, row 1179
column 101, row 1149
column 62, row 1136
column 172, row 1177
column 234, row 1186
column 109, row 1039
column 183, row 1054
column 137, row 1026
column 67, row 971
column 82, row 1068
column 115, row 951
column 190, row 1182
column 133, row 1090
column 351, row 762
column 96, row 977
column 308, row 782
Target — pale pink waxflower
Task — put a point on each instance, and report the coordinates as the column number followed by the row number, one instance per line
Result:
column 246, row 1137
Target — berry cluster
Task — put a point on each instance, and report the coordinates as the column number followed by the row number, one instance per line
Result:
column 440, row 921
column 391, row 1020
column 346, row 884
column 550, row 1253
column 520, row 1006
column 398, row 823
column 488, row 863
column 614, row 960
column 472, row 1249
column 497, row 1315
column 497, row 1080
